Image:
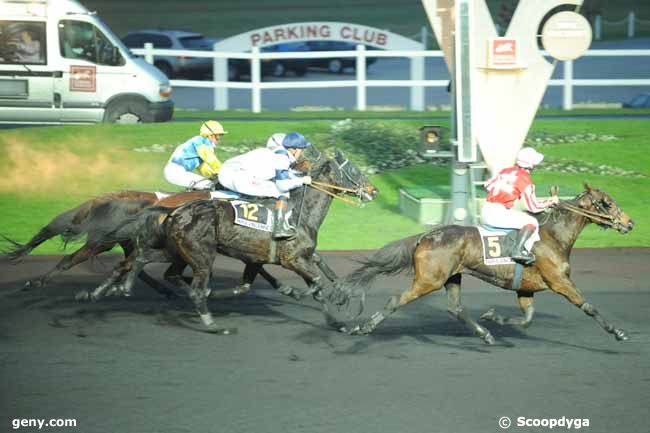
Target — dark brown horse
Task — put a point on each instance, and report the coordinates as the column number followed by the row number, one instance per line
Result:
column 198, row 231
column 441, row 256
column 105, row 213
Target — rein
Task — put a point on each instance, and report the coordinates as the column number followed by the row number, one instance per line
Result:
column 316, row 186
column 597, row 217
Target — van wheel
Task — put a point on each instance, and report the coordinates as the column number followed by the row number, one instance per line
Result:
column 127, row 111
column 165, row 68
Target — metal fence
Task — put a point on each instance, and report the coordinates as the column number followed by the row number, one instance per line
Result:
column 416, row 83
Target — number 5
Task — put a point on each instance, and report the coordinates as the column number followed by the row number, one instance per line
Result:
column 494, row 247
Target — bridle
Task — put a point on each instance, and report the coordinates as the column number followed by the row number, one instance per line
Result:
column 342, row 174
column 600, row 217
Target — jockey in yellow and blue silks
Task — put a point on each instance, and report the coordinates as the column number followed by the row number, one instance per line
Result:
column 197, row 153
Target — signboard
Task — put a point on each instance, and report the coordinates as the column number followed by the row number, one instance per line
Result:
column 502, row 53
column 566, row 35
column 83, row 79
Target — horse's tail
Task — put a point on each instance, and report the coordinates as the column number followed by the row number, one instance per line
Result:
column 390, row 259
column 63, row 225
column 147, row 221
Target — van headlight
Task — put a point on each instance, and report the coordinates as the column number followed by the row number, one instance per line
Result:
column 165, row 90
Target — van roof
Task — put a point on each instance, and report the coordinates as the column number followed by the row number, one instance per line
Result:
column 40, row 8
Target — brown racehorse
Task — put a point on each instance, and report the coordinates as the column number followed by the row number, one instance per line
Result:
column 441, row 256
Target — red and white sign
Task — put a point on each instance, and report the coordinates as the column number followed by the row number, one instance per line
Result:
column 503, row 52
column 83, row 79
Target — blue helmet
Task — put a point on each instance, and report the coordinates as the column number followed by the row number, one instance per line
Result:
column 295, row 140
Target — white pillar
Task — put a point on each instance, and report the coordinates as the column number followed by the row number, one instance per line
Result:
column 361, row 77
column 417, row 92
column 256, row 92
column 567, row 103
column 220, row 74
column 597, row 27
column 148, row 55
column 630, row 24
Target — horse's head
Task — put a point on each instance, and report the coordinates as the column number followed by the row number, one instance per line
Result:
column 603, row 210
column 338, row 172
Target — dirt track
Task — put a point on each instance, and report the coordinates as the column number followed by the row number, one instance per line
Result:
column 128, row 366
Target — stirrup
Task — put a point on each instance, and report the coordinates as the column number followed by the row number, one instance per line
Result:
column 284, row 234
column 524, row 259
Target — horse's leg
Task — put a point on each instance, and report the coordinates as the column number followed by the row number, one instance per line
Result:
column 68, row 261
column 128, row 248
column 122, row 268
column 250, row 272
column 564, row 286
column 429, row 277
column 457, row 310
column 525, row 301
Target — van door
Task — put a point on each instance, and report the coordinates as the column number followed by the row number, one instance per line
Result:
column 26, row 79
column 92, row 70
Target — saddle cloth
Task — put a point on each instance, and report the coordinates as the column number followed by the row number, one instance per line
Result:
column 497, row 244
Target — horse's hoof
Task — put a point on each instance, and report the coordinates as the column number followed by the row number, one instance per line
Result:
column 82, row 295
column 357, row 330
column 318, row 296
column 488, row 315
column 621, row 335
column 213, row 329
column 488, row 339
column 28, row 285
column 289, row 291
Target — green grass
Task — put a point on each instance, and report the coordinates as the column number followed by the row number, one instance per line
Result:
column 51, row 169
column 226, row 18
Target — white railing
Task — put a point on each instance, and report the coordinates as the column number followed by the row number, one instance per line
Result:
column 417, row 83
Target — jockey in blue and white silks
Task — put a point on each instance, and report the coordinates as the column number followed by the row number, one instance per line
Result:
column 196, row 153
column 266, row 172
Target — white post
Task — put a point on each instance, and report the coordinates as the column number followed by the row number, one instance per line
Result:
column 256, row 92
column 220, row 74
column 630, row 24
column 361, row 77
column 148, row 55
column 424, row 37
column 417, row 92
column 567, row 103
column 597, row 27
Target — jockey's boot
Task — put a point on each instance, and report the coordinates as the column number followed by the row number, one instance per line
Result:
column 281, row 227
column 519, row 253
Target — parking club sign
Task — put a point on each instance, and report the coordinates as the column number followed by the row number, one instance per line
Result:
column 503, row 53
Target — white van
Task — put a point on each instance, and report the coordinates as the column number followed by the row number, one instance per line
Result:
column 60, row 63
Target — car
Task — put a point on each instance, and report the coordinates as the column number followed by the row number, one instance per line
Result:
column 175, row 66
column 280, row 67
column 336, row 65
column 641, row 100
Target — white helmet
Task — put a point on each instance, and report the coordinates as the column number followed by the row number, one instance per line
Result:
column 528, row 157
column 211, row 127
column 275, row 140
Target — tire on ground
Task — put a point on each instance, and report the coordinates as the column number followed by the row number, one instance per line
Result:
column 128, row 110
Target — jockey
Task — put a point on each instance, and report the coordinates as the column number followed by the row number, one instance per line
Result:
column 266, row 172
column 196, row 153
column 503, row 190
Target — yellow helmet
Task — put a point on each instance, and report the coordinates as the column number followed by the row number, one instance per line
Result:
column 211, row 127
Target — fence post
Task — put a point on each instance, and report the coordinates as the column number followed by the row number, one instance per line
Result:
column 417, row 92
column 148, row 55
column 424, row 37
column 219, row 74
column 361, row 77
column 256, row 92
column 630, row 24
column 567, row 103
column 597, row 27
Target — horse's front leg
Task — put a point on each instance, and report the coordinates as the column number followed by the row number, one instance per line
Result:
column 564, row 286
column 248, row 277
column 526, row 303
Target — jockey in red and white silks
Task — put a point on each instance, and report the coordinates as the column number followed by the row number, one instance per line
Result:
column 504, row 189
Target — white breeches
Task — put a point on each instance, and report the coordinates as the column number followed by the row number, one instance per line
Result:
column 245, row 182
column 497, row 215
column 177, row 175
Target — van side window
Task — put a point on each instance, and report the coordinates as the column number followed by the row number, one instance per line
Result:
column 22, row 42
column 82, row 40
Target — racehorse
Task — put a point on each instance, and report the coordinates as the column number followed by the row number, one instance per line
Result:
column 441, row 256
column 200, row 230
column 104, row 213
